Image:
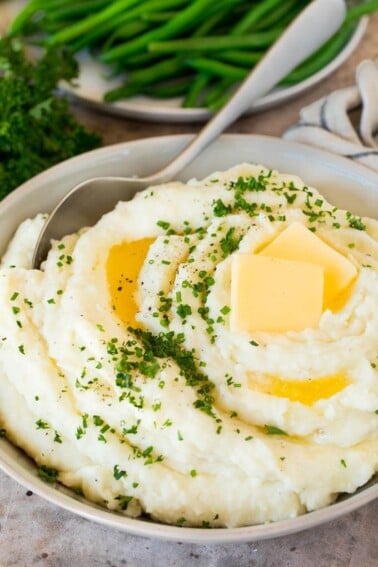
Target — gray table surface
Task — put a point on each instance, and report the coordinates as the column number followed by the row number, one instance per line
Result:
column 33, row 532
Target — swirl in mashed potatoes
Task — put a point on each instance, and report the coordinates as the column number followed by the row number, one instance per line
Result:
column 120, row 376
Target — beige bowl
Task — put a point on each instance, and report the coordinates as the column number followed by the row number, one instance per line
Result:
column 343, row 183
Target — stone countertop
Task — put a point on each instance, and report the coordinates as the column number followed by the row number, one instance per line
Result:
column 34, row 532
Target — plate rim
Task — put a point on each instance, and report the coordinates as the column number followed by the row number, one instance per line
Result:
column 155, row 529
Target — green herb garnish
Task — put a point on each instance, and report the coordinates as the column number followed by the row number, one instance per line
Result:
column 48, row 474
column 37, row 128
column 273, row 430
column 118, row 473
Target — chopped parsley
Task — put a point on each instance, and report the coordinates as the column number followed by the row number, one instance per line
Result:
column 205, row 525
column 163, row 224
column 80, row 432
column 220, row 209
column 290, row 198
column 98, row 421
column 273, row 430
column 124, row 501
column 355, row 222
column 183, row 310
column 230, row 242
column 42, row 424
column 132, row 430
column 225, row 310
column 118, row 473
column 48, row 474
column 57, row 438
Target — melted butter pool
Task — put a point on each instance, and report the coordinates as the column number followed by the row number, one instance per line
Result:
column 123, row 265
column 306, row 391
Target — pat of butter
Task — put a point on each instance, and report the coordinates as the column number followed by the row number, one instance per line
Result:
column 298, row 243
column 274, row 295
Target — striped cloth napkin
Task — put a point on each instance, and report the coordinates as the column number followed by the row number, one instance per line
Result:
column 346, row 121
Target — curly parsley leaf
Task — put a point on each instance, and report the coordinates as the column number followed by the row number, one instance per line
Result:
column 37, row 129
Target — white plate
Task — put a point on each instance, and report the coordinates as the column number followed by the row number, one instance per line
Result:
column 92, row 85
column 343, row 182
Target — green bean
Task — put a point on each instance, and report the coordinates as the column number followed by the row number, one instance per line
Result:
column 200, row 82
column 262, row 39
column 239, row 57
column 208, row 25
column 217, row 92
column 117, row 26
column 217, row 68
column 185, row 20
column 158, row 90
column 83, row 26
column 197, row 86
column 312, row 65
column 124, row 91
column 355, row 12
column 158, row 17
column 158, row 71
column 255, row 14
column 80, row 9
column 142, row 59
column 24, row 17
column 129, row 30
column 155, row 73
column 109, row 30
column 216, row 105
column 218, row 13
column 321, row 57
column 274, row 17
column 168, row 90
column 243, row 58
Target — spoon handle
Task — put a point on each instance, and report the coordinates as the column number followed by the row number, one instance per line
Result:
column 311, row 29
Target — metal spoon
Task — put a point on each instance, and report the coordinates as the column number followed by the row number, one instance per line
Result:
column 87, row 202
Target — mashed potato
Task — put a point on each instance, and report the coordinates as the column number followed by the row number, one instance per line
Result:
column 120, row 377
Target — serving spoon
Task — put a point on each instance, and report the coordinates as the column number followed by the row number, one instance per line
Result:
column 85, row 204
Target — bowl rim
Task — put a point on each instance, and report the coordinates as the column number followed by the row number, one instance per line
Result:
column 28, row 186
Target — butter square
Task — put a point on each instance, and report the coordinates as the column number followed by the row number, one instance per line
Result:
column 274, row 295
column 299, row 243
